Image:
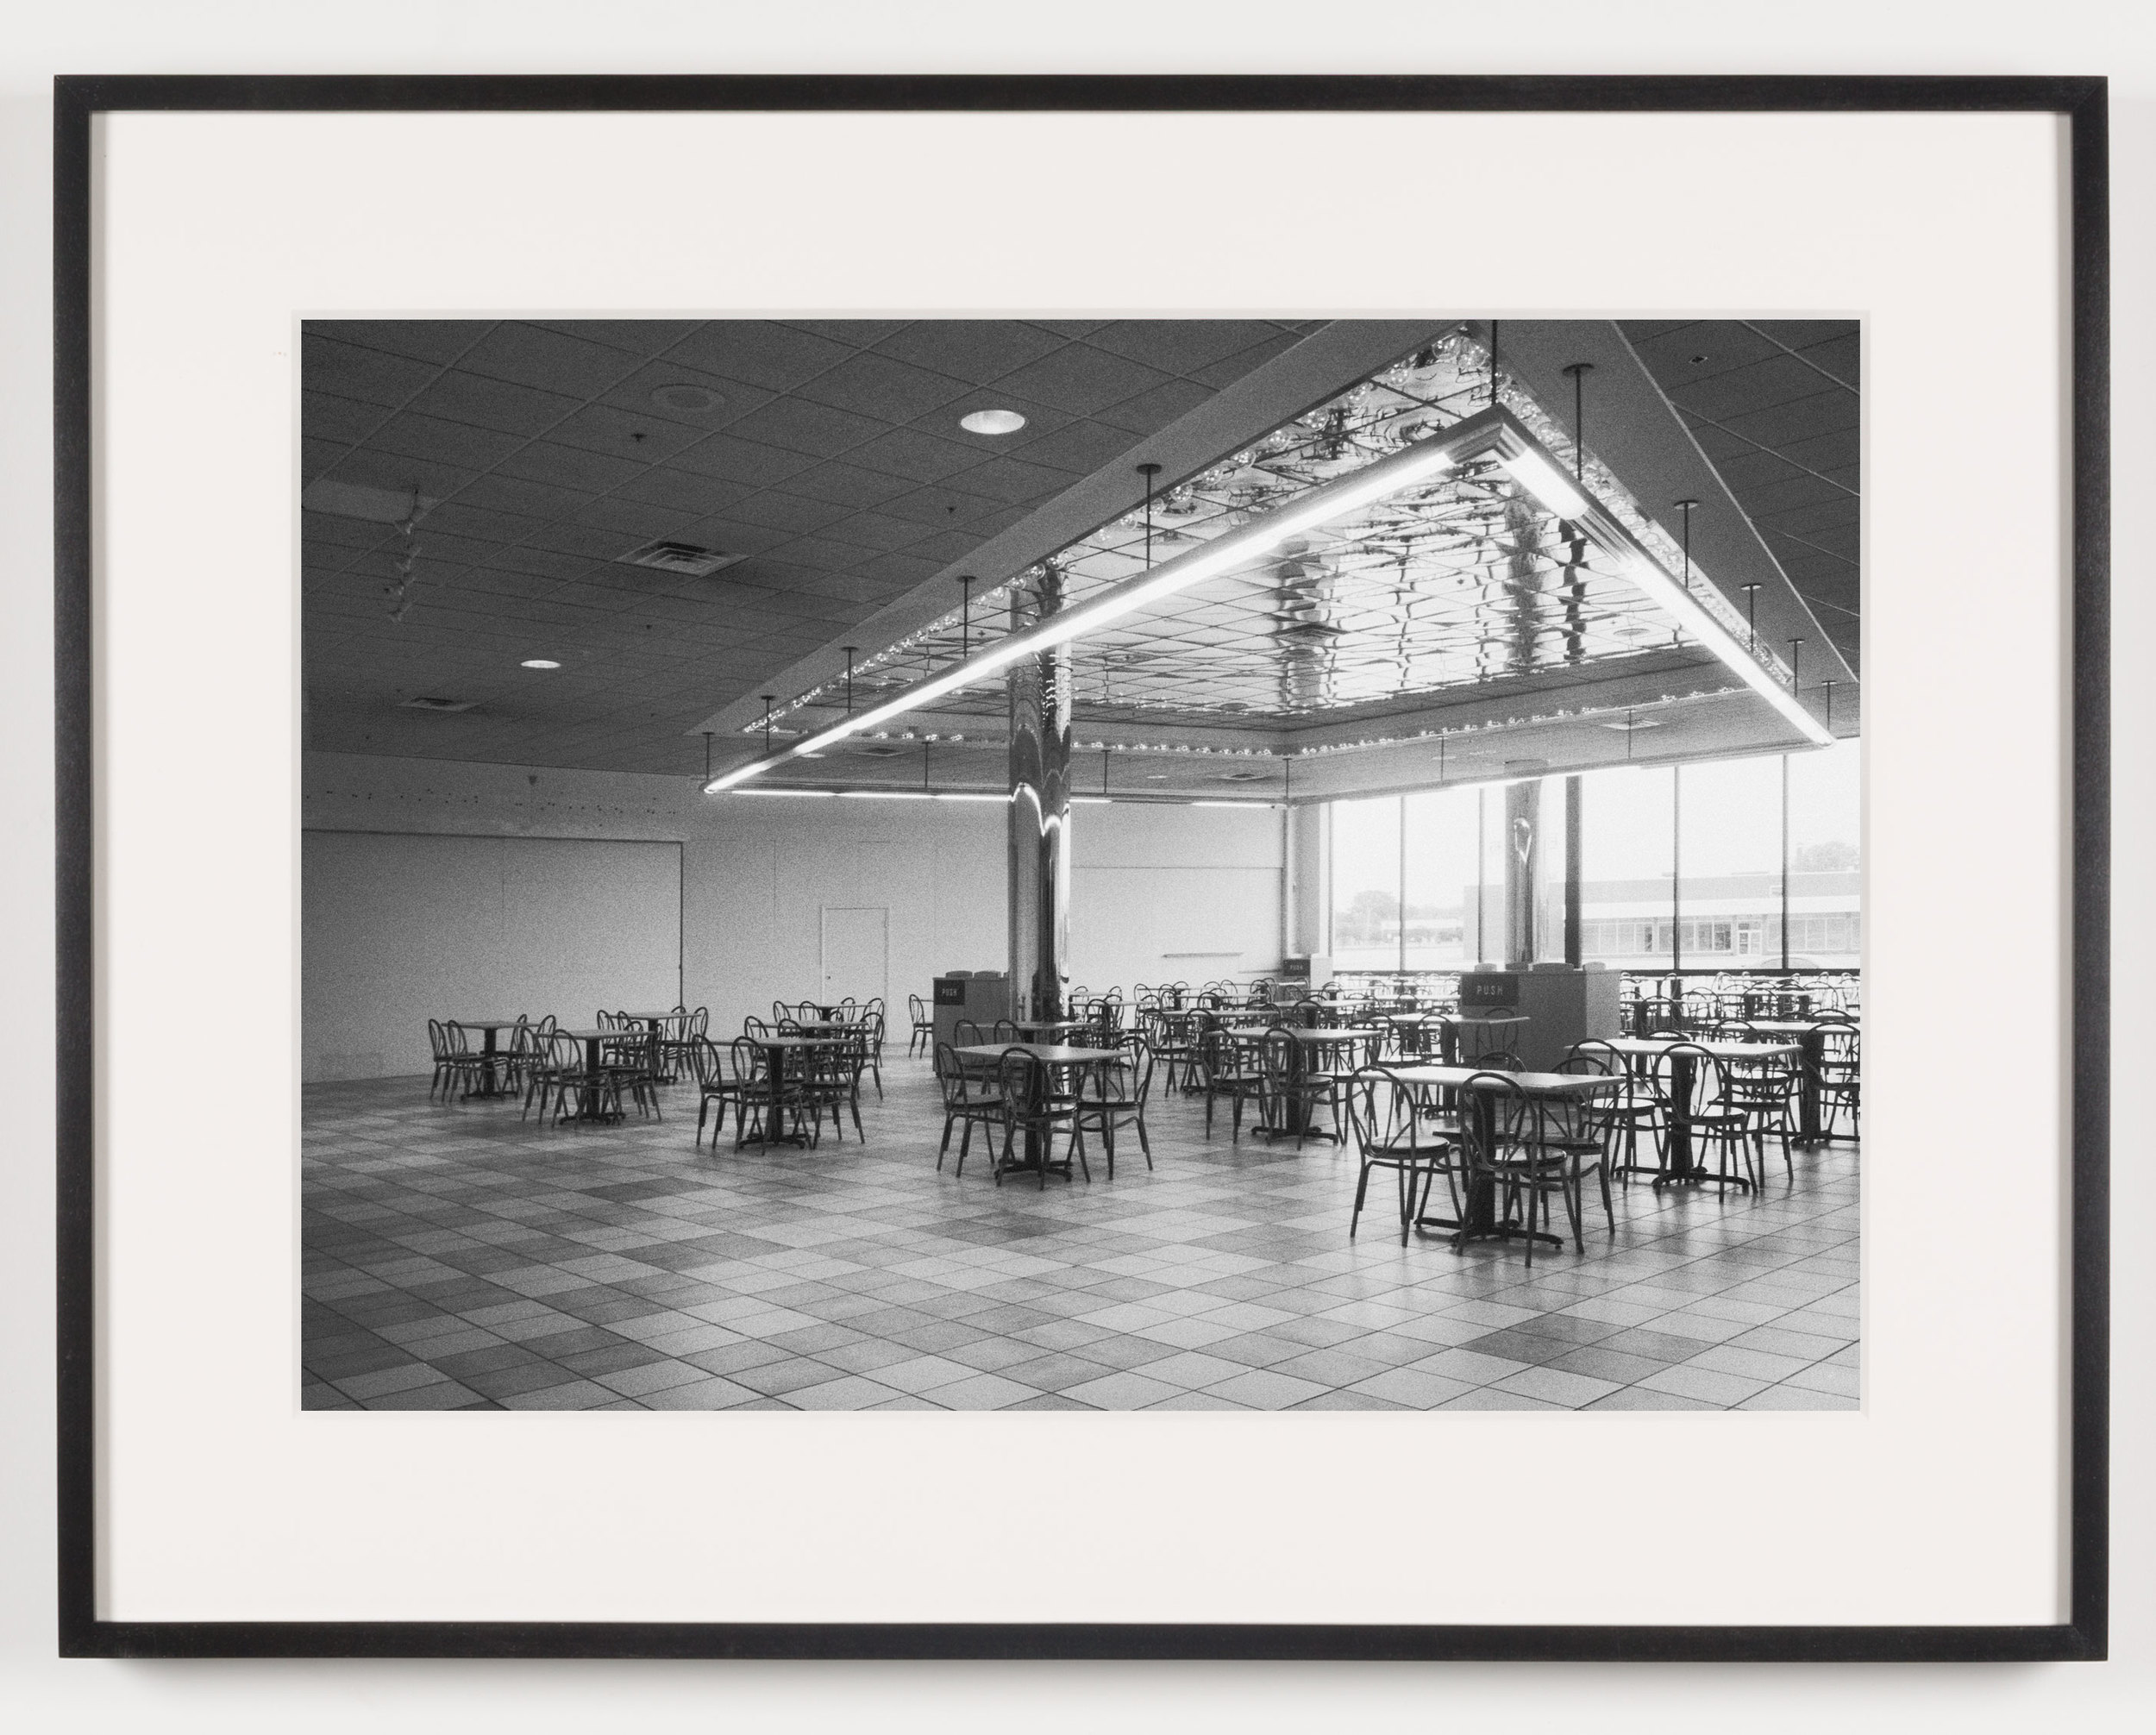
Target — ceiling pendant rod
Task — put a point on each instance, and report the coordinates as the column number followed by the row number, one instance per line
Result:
column 965, row 618
column 707, row 755
column 768, row 699
column 1797, row 646
column 1685, row 507
column 1829, row 718
column 849, row 650
column 1752, row 617
column 1578, row 370
column 1148, row 470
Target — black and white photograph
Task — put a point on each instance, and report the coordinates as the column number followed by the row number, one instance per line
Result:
column 1060, row 863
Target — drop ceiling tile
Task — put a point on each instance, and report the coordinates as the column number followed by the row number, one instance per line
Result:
column 369, row 468
column 1158, row 407
column 544, row 563
column 1069, row 328
column 823, row 554
column 733, row 460
column 496, row 492
column 1233, row 368
column 479, row 402
column 847, row 484
column 1081, row 447
column 590, row 541
column 342, row 419
column 637, row 336
column 455, row 518
column 778, row 511
column 854, row 334
column 589, row 473
column 876, row 530
column 776, row 357
column 917, row 456
column 946, row 548
column 413, row 435
column 1010, row 481
column 943, row 510
column 367, row 376
column 1182, row 346
column 703, row 496
column 884, row 388
column 636, row 395
column 638, row 520
column 1081, row 379
column 1785, row 423
column 341, row 535
column 317, row 455
column 550, row 360
column 973, row 350
column 435, row 341
column 816, row 430
column 640, row 439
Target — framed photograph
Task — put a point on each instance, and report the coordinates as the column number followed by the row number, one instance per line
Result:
column 1083, row 868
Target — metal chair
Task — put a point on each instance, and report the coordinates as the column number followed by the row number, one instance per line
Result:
column 1389, row 1121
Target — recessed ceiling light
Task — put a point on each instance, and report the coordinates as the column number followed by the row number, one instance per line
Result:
column 540, row 662
column 684, row 396
column 993, row 422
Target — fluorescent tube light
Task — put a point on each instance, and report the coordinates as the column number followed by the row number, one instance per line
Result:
column 885, row 794
column 1222, row 554
column 1540, row 478
column 1235, row 804
column 1093, row 801
column 1689, row 613
column 808, row 794
column 956, row 795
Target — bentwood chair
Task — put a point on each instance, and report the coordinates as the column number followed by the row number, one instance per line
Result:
column 1033, row 1110
column 1118, row 1097
column 1294, row 1091
column 1387, row 1121
column 1231, row 1067
column 1571, row 1128
column 1504, row 1151
column 1840, row 1075
column 872, row 1042
column 1715, row 1118
column 971, row 1099
column 923, row 1034
column 724, row 1078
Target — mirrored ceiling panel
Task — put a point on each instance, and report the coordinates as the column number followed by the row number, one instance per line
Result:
column 1452, row 583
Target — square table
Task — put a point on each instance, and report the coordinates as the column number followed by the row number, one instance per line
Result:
column 1450, row 1024
column 775, row 1049
column 1052, row 1054
column 490, row 1079
column 1481, row 1222
column 1308, row 1042
column 1680, row 1170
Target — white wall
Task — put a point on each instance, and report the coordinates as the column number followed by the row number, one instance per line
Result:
column 1151, row 886
column 396, row 928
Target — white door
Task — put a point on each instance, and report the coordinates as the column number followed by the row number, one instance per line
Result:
column 857, row 952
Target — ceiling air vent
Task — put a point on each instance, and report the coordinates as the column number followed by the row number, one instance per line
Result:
column 423, row 703
column 687, row 558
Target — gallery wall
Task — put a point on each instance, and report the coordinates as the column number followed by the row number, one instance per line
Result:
column 397, row 927
column 1158, row 894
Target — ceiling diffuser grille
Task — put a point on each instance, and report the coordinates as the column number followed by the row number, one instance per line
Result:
column 687, row 558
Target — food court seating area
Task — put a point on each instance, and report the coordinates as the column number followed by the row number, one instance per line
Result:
column 1183, row 1196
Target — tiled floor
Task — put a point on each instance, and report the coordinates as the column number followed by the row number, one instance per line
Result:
column 457, row 1259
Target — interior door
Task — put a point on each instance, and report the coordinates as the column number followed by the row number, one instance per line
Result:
column 856, row 951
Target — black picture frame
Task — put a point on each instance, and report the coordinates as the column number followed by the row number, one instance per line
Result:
column 2080, row 101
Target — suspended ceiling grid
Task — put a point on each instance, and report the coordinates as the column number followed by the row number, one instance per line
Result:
column 826, row 454
column 1458, row 583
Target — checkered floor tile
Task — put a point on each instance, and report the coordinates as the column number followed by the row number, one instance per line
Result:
column 459, row 1258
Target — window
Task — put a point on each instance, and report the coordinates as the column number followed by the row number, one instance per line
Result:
column 1418, row 881
column 1826, row 856
column 1626, row 860
column 1438, row 873
column 1366, row 884
column 1729, row 849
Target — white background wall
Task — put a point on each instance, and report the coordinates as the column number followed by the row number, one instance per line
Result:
column 397, row 928
column 1157, row 894
column 39, row 1694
